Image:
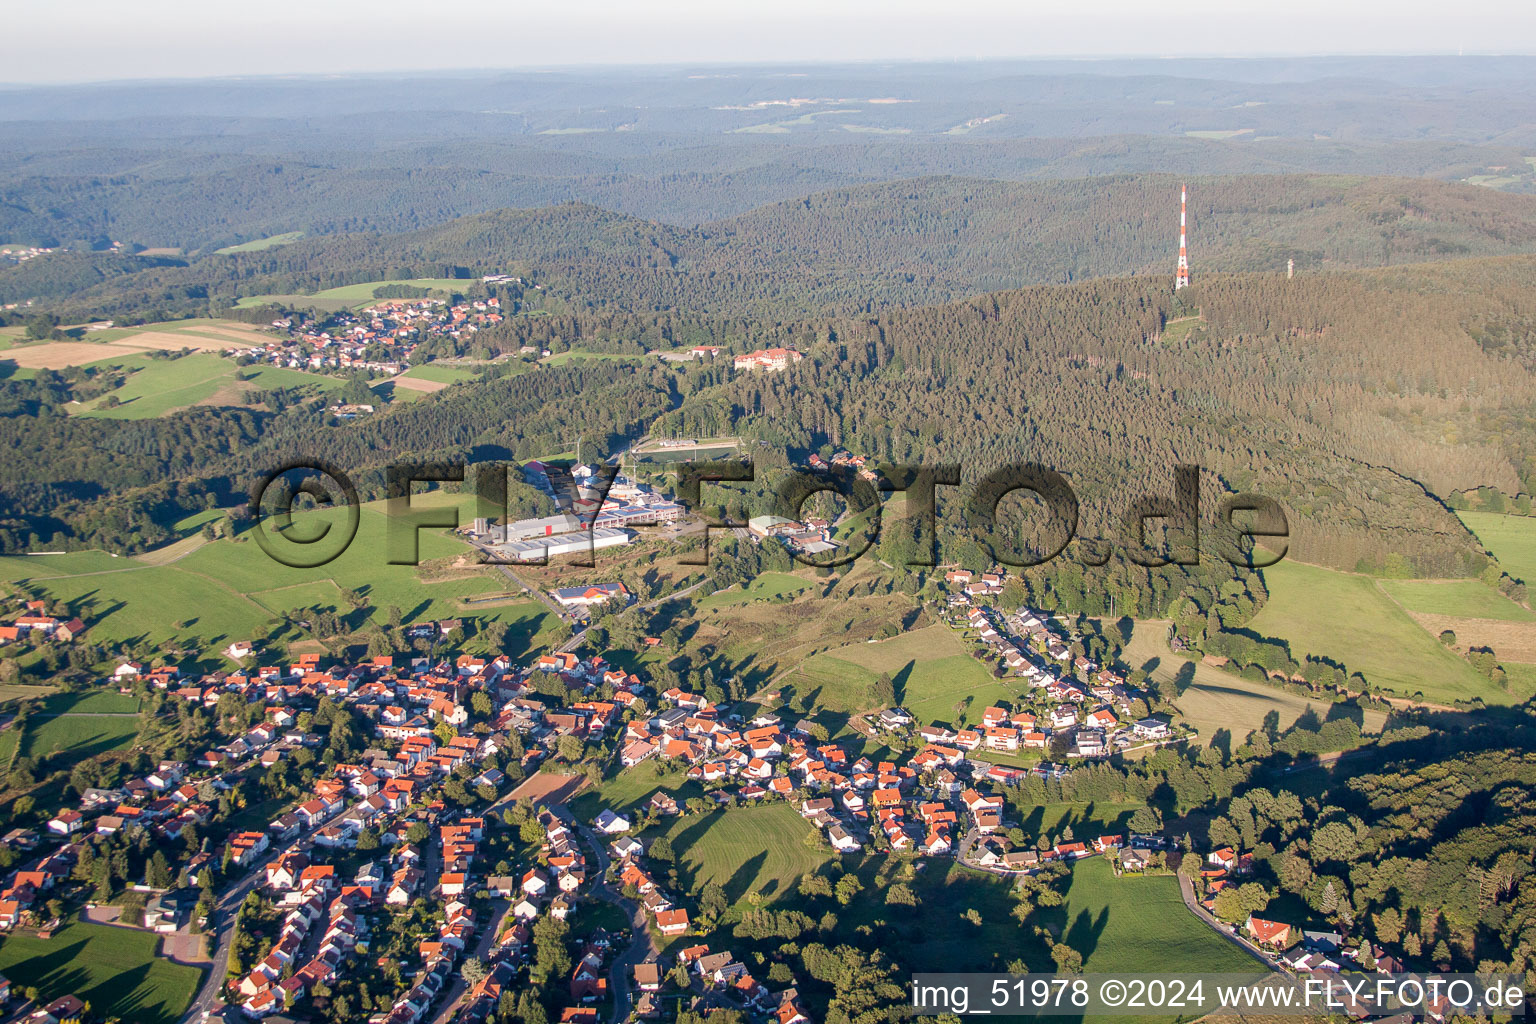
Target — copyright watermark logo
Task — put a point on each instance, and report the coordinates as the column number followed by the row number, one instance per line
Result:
column 309, row 541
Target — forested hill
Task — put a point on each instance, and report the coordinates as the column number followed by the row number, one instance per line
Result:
column 1334, row 394
column 904, row 243
column 1354, row 398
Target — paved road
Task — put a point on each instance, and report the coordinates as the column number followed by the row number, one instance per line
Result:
column 222, row 934
column 497, row 912
column 963, row 853
column 672, row 597
column 1187, row 892
column 641, row 948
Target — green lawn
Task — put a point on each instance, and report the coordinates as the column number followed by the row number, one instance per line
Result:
column 22, row 691
column 767, row 585
column 1219, row 700
column 1512, row 539
column 1116, row 923
column 117, row 970
column 440, row 374
column 931, row 668
column 95, row 702
column 229, row 589
column 259, row 244
column 631, row 790
column 1348, row 618
column 1464, row 598
column 749, row 849
column 158, row 386
column 79, row 736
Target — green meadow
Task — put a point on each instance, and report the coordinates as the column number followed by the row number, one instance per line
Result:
column 441, row 374
column 355, row 294
column 1215, row 700
column 931, row 668
column 1469, row 599
column 230, row 590
column 261, row 244
column 158, row 386
column 1350, row 619
column 1114, row 922
column 764, row 586
column 749, row 849
column 117, row 970
column 1512, row 539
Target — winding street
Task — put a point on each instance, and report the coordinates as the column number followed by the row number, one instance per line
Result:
column 1187, row 893
column 498, row 911
column 221, row 934
column 641, row 948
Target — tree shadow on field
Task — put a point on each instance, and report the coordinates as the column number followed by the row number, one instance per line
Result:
column 1351, row 712
column 683, row 843
column 1084, row 931
column 740, row 882
column 1184, row 677
column 1221, row 740
column 899, row 681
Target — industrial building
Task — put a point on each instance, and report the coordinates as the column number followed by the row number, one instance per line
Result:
column 535, row 549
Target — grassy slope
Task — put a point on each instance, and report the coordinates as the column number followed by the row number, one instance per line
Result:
column 1512, row 539
column 930, row 666
column 769, row 584
column 1217, row 699
column 260, row 244
column 352, row 294
column 81, row 724
column 1349, row 619
column 440, row 374
column 1114, row 922
column 117, row 970
column 229, row 590
column 159, row 386
column 1464, row 598
column 751, row 849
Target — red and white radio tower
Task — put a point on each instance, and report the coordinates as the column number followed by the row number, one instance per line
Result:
column 1181, row 276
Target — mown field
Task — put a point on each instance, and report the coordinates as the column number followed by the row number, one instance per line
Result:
column 1349, row 619
column 1112, row 922
column 1116, row 922
column 631, row 789
column 1460, row 598
column 80, row 725
column 762, row 587
column 159, row 386
column 1512, row 539
column 1216, row 700
column 750, row 849
column 440, row 374
column 352, row 294
column 931, row 668
column 230, row 590
column 117, row 970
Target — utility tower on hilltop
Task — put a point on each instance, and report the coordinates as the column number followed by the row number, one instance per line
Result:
column 1181, row 276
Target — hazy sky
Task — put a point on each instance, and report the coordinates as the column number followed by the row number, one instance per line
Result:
column 83, row 40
